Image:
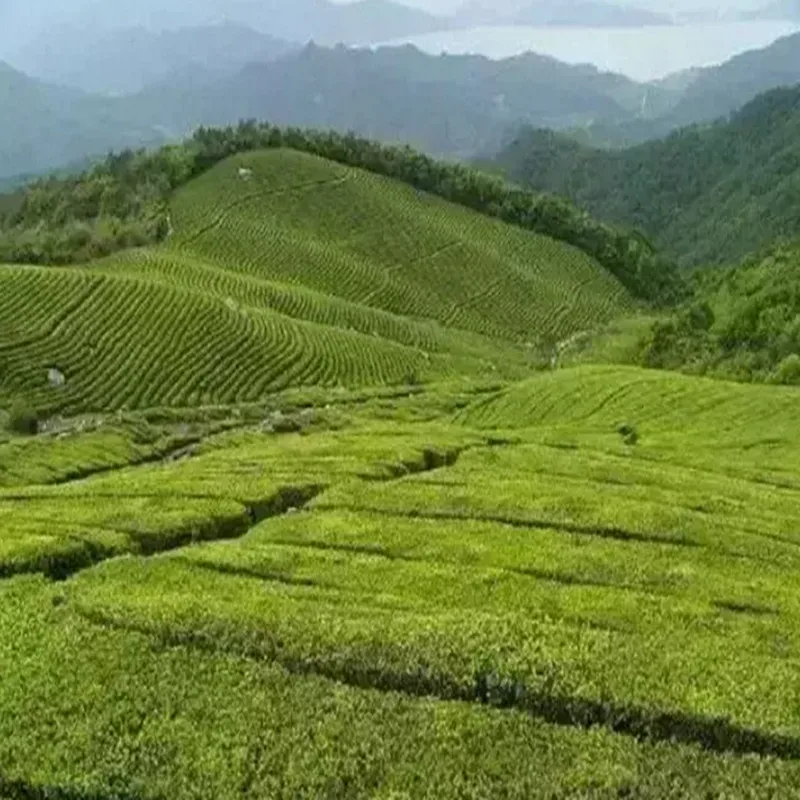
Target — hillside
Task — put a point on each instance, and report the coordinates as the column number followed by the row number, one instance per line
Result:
column 444, row 105
column 210, row 70
column 123, row 202
column 699, row 95
column 717, row 91
column 298, row 498
column 705, row 195
column 508, row 600
column 286, row 275
column 742, row 323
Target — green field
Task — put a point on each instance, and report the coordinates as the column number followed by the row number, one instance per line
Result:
column 305, row 273
column 306, row 522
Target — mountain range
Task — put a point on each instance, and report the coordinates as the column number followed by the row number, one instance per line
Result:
column 128, row 60
column 449, row 105
column 455, row 106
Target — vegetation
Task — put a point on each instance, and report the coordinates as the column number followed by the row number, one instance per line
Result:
column 53, row 126
column 123, row 202
column 23, row 420
column 742, row 323
column 280, row 271
column 509, row 598
column 704, row 195
column 302, row 497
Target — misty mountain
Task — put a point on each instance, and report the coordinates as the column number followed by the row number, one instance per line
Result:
column 446, row 105
column 779, row 9
column 48, row 126
column 128, row 60
column 587, row 13
column 717, row 91
column 300, row 21
column 564, row 13
column 700, row 95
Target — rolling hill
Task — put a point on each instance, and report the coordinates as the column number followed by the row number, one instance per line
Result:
column 488, row 594
column 290, row 505
column 705, row 195
column 286, row 274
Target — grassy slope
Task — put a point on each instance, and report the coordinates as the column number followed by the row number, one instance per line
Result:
column 551, row 613
column 468, row 589
column 308, row 273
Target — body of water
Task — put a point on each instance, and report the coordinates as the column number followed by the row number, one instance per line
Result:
column 641, row 53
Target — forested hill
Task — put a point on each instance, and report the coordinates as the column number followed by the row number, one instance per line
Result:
column 123, row 202
column 700, row 95
column 743, row 322
column 717, row 91
column 448, row 105
column 704, row 195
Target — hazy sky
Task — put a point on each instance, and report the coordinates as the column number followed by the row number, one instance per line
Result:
column 445, row 6
column 20, row 18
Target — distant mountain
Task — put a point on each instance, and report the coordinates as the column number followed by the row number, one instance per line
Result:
column 45, row 126
column 585, row 13
column 300, row 21
column 706, row 195
column 778, row 9
column 717, row 91
column 128, row 60
column 701, row 95
column 371, row 21
column 446, row 105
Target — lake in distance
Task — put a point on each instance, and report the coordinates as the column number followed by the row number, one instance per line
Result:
column 647, row 53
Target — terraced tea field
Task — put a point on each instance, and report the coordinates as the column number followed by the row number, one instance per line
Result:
column 305, row 521
column 472, row 591
column 302, row 273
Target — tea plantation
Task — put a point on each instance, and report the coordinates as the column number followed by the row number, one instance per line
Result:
column 303, row 520
column 288, row 270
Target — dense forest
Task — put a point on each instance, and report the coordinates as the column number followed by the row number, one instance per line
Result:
column 742, row 323
column 123, row 202
column 704, row 194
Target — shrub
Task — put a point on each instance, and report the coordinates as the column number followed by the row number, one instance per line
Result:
column 788, row 371
column 23, row 420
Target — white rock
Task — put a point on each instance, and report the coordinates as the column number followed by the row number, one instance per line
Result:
column 56, row 378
